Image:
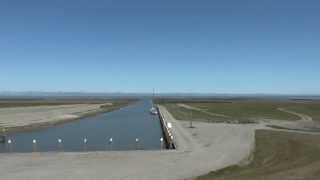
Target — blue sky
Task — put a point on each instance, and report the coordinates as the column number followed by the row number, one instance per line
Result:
column 206, row 46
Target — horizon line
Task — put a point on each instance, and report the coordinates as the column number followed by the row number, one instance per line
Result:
column 13, row 93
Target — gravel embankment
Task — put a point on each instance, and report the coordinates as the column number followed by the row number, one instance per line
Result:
column 24, row 117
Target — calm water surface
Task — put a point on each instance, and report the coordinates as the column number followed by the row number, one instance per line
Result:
column 124, row 126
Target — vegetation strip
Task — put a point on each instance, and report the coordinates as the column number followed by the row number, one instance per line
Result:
column 278, row 155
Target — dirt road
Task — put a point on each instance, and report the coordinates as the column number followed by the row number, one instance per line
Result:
column 305, row 123
column 305, row 120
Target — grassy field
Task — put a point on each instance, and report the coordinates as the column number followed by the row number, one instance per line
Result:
column 243, row 111
column 278, row 155
column 181, row 113
column 6, row 103
column 312, row 109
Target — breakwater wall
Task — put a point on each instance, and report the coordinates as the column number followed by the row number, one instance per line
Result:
column 167, row 131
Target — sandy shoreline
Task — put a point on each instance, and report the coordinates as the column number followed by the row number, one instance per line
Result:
column 21, row 119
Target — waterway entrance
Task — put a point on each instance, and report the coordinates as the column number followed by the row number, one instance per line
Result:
column 130, row 128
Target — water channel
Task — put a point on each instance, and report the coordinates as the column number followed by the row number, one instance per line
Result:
column 129, row 128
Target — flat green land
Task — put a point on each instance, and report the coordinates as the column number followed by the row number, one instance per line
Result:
column 7, row 103
column 277, row 156
column 181, row 113
column 243, row 111
column 312, row 109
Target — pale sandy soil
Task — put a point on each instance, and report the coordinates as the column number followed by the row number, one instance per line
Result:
column 26, row 116
column 304, row 123
column 200, row 150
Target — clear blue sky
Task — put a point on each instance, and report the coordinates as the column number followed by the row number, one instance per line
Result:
column 208, row 46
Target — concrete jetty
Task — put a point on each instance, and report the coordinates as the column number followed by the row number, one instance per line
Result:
column 167, row 131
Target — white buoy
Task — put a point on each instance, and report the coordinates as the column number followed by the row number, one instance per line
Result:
column 60, row 145
column 110, row 143
column 161, row 143
column 9, row 145
column 85, row 140
column 34, row 142
column 137, row 143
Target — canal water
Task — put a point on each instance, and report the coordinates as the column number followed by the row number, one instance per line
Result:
column 125, row 126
